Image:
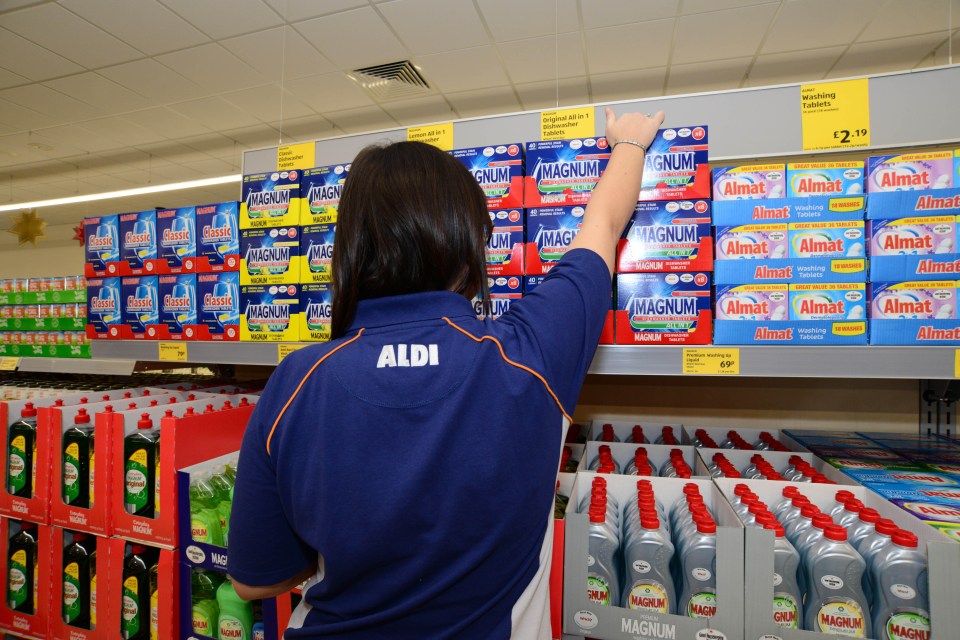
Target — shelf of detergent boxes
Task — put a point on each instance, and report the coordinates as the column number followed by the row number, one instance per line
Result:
column 43, row 317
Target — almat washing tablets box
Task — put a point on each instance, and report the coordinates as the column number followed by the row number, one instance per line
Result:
column 218, row 237
column 316, row 253
column 104, row 309
column 667, row 236
column 663, row 308
column 550, row 231
column 505, row 248
column 102, row 246
column 752, row 242
column 828, row 301
column 176, row 229
column 178, row 306
column 910, row 172
column 826, row 239
column 675, row 167
column 320, row 190
column 315, row 315
column 913, row 300
column 914, row 248
column 499, row 172
column 141, row 308
column 753, row 302
column 749, row 182
column 268, row 313
column 563, row 172
column 138, row 243
column 270, row 256
column 824, row 178
column 218, row 306
column 270, row 200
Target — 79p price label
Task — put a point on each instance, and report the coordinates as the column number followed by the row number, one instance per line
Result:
column 711, row 362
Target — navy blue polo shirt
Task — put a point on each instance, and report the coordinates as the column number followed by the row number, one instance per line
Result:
column 415, row 460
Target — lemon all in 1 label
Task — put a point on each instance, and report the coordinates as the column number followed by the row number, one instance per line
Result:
column 702, row 605
column 270, row 200
column 650, row 597
column 232, row 629
column 17, row 464
column 598, row 591
column 270, row 256
column 71, row 473
column 71, row 592
column 270, row 314
column 785, row 611
column 136, row 493
column 844, row 618
column 130, row 619
column 316, row 253
column 17, row 583
column 316, row 302
column 320, row 191
column 908, row 626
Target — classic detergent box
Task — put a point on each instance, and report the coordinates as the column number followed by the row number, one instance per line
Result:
column 176, row 229
column 315, row 317
column 910, row 172
column 749, row 182
column 102, row 246
column 505, row 247
column 320, row 190
column 270, row 256
column 316, row 253
column 914, row 312
column 826, row 239
column 270, row 200
column 663, row 308
column 675, row 166
column 499, row 172
column 178, row 306
column 752, row 242
column 549, row 234
column 824, row 178
column 218, row 306
column 141, row 308
column 218, row 237
column 563, row 172
column 268, row 313
column 667, row 236
column 138, row 243
column 828, row 301
column 104, row 311
column 504, row 291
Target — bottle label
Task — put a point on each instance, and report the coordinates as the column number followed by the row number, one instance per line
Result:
column 156, row 486
column 702, row 605
column 135, row 493
column 93, row 602
column 903, row 591
column 71, row 592
column 777, row 579
column 17, row 589
column 17, row 464
column 199, row 530
column 598, row 591
column 202, row 624
column 232, row 629
column 843, row 618
column 92, row 476
column 649, row 597
column 131, row 607
column 701, row 573
column 71, row 473
column 831, row 582
column 641, row 566
column 154, row 615
column 785, row 610
column 908, row 626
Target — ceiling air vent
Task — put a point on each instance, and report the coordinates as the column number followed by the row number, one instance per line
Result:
column 391, row 81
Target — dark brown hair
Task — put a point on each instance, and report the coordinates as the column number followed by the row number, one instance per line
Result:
column 411, row 219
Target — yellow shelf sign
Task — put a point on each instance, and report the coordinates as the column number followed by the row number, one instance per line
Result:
column 711, row 362
column 956, row 364
column 172, row 351
column 283, row 350
column 296, row 156
column 439, row 135
column 835, row 115
column 9, row 364
column 562, row 124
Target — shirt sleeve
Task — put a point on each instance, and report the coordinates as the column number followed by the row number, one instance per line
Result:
column 559, row 324
column 263, row 547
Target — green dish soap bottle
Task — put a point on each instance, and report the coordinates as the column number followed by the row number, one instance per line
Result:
column 139, row 468
column 77, row 456
column 78, row 559
column 203, row 595
column 236, row 615
column 22, row 570
column 224, row 488
column 22, row 453
column 135, row 610
column 204, row 519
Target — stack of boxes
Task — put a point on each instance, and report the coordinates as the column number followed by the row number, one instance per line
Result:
column 43, row 317
column 790, row 270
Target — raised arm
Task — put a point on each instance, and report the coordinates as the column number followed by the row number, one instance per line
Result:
column 615, row 197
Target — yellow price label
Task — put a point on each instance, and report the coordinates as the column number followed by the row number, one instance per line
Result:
column 835, row 115
column 711, row 362
column 9, row 364
column 956, row 364
column 567, row 123
column 296, row 156
column 439, row 135
column 283, row 350
column 172, row 351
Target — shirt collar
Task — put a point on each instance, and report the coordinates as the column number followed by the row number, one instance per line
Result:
column 412, row 307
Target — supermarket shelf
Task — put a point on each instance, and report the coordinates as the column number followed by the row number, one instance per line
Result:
column 755, row 361
column 77, row 365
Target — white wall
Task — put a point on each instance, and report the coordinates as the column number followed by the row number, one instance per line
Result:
column 30, row 261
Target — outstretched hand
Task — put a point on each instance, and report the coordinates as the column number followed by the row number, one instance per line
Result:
column 632, row 126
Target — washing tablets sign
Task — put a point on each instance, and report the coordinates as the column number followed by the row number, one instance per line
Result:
column 835, row 115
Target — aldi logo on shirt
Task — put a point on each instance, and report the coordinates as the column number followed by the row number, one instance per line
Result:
column 408, row 355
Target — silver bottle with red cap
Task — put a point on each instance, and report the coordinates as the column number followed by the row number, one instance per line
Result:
column 698, row 571
column 647, row 553
column 603, row 551
column 901, row 608
column 834, row 573
column 787, row 592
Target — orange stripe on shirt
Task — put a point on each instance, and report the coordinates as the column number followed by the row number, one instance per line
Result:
column 511, row 362
column 302, row 382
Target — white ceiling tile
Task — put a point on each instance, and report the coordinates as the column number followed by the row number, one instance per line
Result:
column 167, row 123
column 563, row 56
column 360, row 120
column 176, row 152
column 420, row 110
column 11, row 79
column 33, row 147
column 706, row 76
column 152, row 80
column 264, row 103
column 544, row 95
column 628, row 47
column 353, row 39
column 461, row 29
column 942, row 56
column 329, row 92
column 464, row 70
column 76, row 136
column 210, row 166
column 910, row 17
column 312, row 128
column 225, row 18
column 627, row 85
column 742, row 31
column 262, row 135
column 214, row 112
column 31, row 61
column 885, row 55
column 49, row 102
column 809, row 24
column 143, row 24
column 209, row 144
column 53, row 27
column 484, row 102
column 264, row 51
column 796, row 66
column 96, row 90
column 122, row 130
column 608, row 13
column 296, row 10
column 512, row 20
column 213, row 67
column 699, row 6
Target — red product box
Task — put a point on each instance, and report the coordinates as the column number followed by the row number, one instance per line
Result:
column 663, row 308
column 161, row 609
column 190, row 432
column 33, row 624
column 105, row 597
column 25, row 502
column 607, row 336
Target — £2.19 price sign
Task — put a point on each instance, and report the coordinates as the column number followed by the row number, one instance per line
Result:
column 835, row 115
